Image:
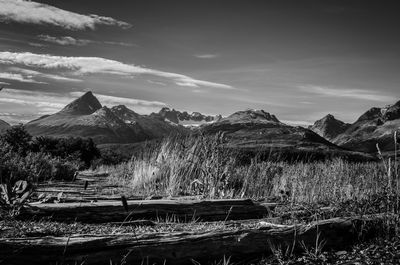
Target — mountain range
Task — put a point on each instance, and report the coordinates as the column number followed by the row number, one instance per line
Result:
column 248, row 130
column 259, row 132
column 86, row 117
column 375, row 126
column 184, row 118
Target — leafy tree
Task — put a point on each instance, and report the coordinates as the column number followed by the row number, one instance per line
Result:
column 17, row 138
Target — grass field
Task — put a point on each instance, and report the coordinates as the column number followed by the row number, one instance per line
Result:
column 201, row 166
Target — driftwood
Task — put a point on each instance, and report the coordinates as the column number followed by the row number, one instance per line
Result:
column 113, row 211
column 181, row 248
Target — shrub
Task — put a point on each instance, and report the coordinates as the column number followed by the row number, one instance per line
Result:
column 42, row 158
column 17, row 138
column 73, row 149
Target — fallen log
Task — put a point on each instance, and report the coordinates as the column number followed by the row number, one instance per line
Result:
column 113, row 211
column 182, row 248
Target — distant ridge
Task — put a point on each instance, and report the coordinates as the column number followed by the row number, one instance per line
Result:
column 375, row 126
column 184, row 118
column 86, row 117
column 255, row 131
column 152, row 126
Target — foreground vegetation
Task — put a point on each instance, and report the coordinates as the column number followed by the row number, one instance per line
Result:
column 39, row 159
column 201, row 167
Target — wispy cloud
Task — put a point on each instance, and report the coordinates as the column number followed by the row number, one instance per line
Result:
column 345, row 93
column 206, row 56
column 67, row 40
column 32, row 73
column 36, row 13
column 34, row 44
column 156, row 82
column 93, row 65
column 19, row 77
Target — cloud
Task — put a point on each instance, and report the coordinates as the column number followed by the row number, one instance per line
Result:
column 297, row 123
column 19, row 77
column 198, row 91
column 156, row 82
column 67, row 40
column 36, row 13
column 97, row 65
column 32, row 73
column 206, row 56
column 345, row 93
column 64, row 40
column 4, row 83
column 34, row 44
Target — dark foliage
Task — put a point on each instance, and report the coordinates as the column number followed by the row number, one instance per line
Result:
column 42, row 158
column 68, row 148
column 17, row 138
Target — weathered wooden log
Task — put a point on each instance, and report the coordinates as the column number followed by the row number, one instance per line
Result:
column 182, row 248
column 113, row 211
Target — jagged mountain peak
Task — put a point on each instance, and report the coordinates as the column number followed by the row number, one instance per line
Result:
column 329, row 117
column 183, row 117
column 125, row 114
column 329, row 127
column 84, row 105
column 121, row 108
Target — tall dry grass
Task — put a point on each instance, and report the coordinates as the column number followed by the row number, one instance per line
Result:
column 201, row 166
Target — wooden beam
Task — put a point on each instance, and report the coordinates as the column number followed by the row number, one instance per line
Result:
column 181, row 248
column 113, row 211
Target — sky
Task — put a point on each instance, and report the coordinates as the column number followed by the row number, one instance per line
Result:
column 299, row 60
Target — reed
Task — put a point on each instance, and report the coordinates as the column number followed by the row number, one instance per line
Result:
column 201, row 166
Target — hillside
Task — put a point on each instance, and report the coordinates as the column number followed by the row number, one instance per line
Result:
column 86, row 117
column 152, row 127
column 259, row 131
column 4, row 125
column 329, row 127
column 377, row 125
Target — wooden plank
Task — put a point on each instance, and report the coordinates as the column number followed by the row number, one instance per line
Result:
column 182, row 248
column 113, row 211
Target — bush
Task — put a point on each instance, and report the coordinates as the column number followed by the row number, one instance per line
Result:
column 17, row 138
column 42, row 158
column 73, row 149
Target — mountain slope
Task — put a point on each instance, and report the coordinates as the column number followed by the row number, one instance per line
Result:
column 152, row 126
column 85, row 117
column 377, row 125
column 329, row 127
column 4, row 125
column 256, row 131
